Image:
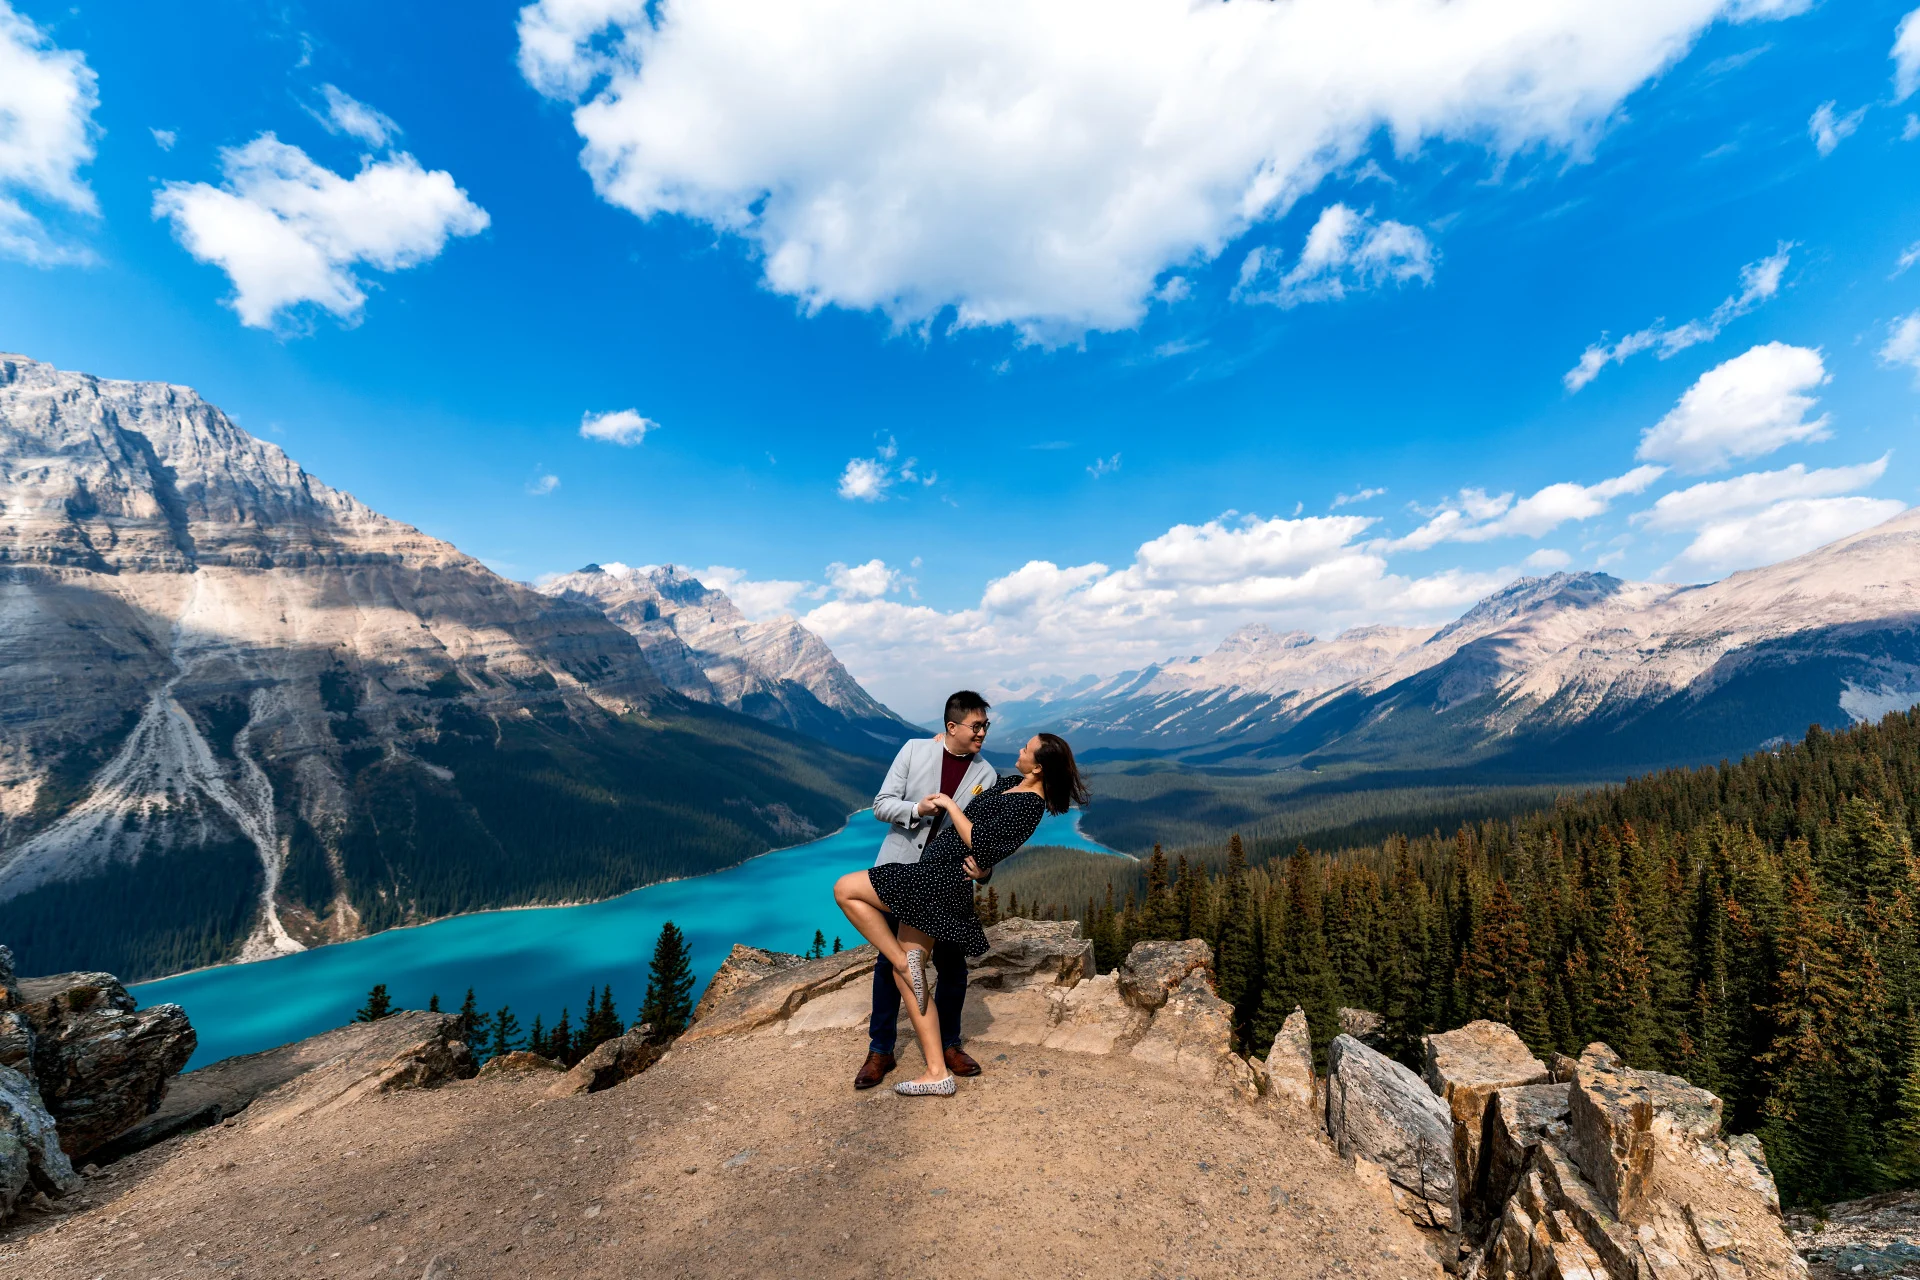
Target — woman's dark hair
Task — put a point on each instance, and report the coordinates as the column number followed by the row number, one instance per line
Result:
column 1060, row 783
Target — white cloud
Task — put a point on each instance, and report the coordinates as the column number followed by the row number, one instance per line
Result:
column 1911, row 129
column 1778, row 532
column 1908, row 256
column 287, row 231
column 164, row 138
column 1906, row 57
column 1902, row 346
column 1759, row 281
column 47, row 99
column 542, row 484
column 1548, row 559
column 1104, row 466
column 1477, row 517
column 1043, row 165
column 1748, row 406
column 347, row 114
column 758, row 599
column 867, row 581
column 1702, row 504
column 1348, row 499
column 622, row 426
column 871, row 479
column 1828, row 129
column 1344, row 251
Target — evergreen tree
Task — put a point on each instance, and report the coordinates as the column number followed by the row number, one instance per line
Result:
column 837, row 948
column 506, row 1033
column 433, row 1003
column 1160, row 913
column 560, row 1039
column 378, row 1005
column 669, row 1001
column 1622, row 999
column 471, row 1025
column 819, row 947
column 1235, row 960
column 602, row 1021
column 993, row 907
column 537, row 1039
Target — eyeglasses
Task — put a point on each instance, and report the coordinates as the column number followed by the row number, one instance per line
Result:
column 978, row 728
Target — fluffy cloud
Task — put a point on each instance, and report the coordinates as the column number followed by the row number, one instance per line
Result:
column 164, row 138
column 623, row 426
column 1477, row 517
column 1906, row 56
column 347, row 114
column 1777, row 532
column 871, row 479
column 1044, row 165
column 1104, row 466
column 1902, row 346
column 761, row 598
column 541, row 484
column 1548, row 560
column 47, row 100
column 1749, row 406
column 867, row 581
column 287, row 231
column 1348, row 499
column 1702, row 504
column 1828, row 129
column 1344, row 251
column 1759, row 281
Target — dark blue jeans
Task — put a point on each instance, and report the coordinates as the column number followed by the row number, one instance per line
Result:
column 948, row 996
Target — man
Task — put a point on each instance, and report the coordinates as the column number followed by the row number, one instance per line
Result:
column 949, row 764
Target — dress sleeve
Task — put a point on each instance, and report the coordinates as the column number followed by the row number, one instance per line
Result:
column 1004, row 826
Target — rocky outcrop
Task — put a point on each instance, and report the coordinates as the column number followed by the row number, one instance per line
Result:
column 101, row 1063
column 410, row 1049
column 1024, row 953
column 1466, row 1068
column 1287, row 1074
column 1192, row 1035
column 743, row 967
column 1364, row 1025
column 779, row 996
column 519, row 1062
column 1379, row 1111
column 1154, row 970
column 30, row 1154
column 612, row 1062
column 1517, row 1122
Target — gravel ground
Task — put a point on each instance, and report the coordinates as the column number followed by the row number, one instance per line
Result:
column 1876, row 1238
column 750, row 1156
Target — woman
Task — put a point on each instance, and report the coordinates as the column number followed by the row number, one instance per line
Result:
column 933, row 898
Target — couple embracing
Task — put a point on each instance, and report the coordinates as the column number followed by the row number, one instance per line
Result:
column 952, row 818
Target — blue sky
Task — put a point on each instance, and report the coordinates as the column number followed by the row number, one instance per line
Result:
column 1006, row 340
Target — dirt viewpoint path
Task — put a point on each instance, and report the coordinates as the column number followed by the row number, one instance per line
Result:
column 746, row 1157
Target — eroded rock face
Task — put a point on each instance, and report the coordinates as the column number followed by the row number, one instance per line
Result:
column 1517, row 1122
column 1466, row 1068
column 611, row 1062
column 743, row 967
column 1022, row 953
column 778, row 996
column 30, row 1154
column 1153, row 970
column 1289, row 1064
column 1364, row 1025
column 1378, row 1110
column 1192, row 1035
column 519, row 1062
column 101, row 1064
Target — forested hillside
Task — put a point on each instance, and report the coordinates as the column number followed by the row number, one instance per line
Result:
column 1751, row 927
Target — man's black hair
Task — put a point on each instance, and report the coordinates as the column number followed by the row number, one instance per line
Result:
column 963, row 704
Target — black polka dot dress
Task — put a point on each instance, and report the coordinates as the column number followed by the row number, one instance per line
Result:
column 935, row 894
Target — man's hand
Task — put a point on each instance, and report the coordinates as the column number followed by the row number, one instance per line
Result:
column 930, row 806
column 973, row 868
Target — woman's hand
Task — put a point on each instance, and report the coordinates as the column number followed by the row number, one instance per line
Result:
column 941, row 800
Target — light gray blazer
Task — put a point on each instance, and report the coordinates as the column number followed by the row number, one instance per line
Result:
column 914, row 776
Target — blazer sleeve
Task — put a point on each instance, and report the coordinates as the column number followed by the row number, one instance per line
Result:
column 892, row 805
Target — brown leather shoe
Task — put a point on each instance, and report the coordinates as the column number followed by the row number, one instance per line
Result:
column 875, row 1069
column 960, row 1063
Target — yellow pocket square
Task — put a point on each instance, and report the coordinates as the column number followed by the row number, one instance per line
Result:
column 977, row 788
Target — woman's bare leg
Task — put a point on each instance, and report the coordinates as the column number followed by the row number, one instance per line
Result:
column 855, row 896
column 926, row 1026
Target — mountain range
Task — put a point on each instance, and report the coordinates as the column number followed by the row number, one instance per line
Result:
column 1577, row 673
column 243, row 713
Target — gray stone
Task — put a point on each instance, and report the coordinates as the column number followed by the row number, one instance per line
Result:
column 102, row 1064
column 776, row 997
column 1517, row 1122
column 612, row 1062
column 30, row 1154
column 1289, row 1066
column 1467, row 1067
column 1378, row 1110
column 1152, row 970
column 1025, row 953
column 1192, row 1035
column 743, row 967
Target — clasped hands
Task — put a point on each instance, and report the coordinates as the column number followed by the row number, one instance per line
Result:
column 933, row 804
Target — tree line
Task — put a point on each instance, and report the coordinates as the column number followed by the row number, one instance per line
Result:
column 1751, row 927
column 665, row 1010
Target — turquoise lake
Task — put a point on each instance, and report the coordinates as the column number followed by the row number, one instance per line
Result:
column 541, row 958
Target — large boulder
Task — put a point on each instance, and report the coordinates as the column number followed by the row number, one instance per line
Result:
column 16, row 1034
column 30, row 1154
column 1517, row 1122
column 1152, row 971
column 1466, row 1068
column 776, row 997
column 612, row 1062
column 101, row 1063
column 743, row 967
column 1191, row 1035
column 1379, row 1111
column 1028, row 953
column 1289, row 1065
column 518, row 1063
